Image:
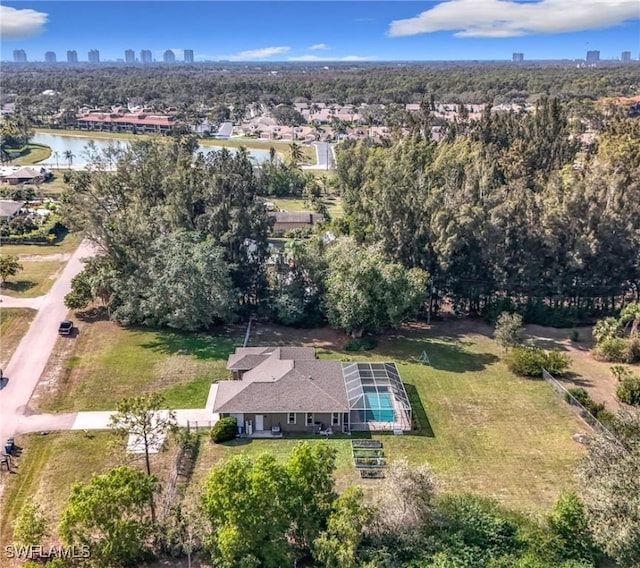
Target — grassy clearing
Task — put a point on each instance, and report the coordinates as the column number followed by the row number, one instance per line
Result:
column 37, row 153
column 106, row 363
column 34, row 280
column 50, row 465
column 66, row 244
column 14, row 323
column 481, row 428
column 333, row 203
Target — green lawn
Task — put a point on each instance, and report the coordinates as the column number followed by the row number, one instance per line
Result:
column 14, row 323
column 49, row 465
column 334, row 204
column 66, row 244
column 106, row 363
column 37, row 153
column 34, row 280
column 481, row 428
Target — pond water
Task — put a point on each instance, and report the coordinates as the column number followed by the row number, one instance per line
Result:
column 77, row 144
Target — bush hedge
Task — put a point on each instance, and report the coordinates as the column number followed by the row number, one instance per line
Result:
column 361, row 344
column 628, row 390
column 527, row 361
column 224, row 430
column 618, row 350
column 597, row 409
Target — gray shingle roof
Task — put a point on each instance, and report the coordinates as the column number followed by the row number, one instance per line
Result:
column 8, row 207
column 296, row 217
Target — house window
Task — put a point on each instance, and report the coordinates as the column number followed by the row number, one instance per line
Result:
column 309, row 419
column 291, row 418
column 335, row 419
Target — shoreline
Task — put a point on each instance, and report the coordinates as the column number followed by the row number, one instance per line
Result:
column 249, row 143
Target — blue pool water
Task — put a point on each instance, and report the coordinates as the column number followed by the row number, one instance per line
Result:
column 379, row 407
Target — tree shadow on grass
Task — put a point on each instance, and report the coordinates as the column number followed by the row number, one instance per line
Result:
column 441, row 354
column 198, row 345
column 19, row 286
column 420, row 425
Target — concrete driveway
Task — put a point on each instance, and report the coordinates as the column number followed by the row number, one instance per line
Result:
column 30, row 357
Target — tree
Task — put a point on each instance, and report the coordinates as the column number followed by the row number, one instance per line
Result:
column 610, row 489
column 246, row 503
column 630, row 315
column 9, row 266
column 310, row 469
column 508, row 331
column 56, row 156
column 69, row 156
column 185, row 529
column 367, row 292
column 145, row 418
column 107, row 514
column 606, row 328
column 405, row 501
column 568, row 522
column 31, row 525
column 337, row 545
column 296, row 154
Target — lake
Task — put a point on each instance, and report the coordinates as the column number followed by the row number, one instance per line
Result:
column 62, row 142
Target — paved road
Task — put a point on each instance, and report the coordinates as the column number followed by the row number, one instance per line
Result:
column 324, row 157
column 30, row 358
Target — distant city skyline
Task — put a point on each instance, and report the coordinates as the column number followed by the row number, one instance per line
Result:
column 324, row 31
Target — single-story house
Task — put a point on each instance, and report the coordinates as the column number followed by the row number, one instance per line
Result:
column 287, row 220
column 286, row 389
column 26, row 174
column 9, row 209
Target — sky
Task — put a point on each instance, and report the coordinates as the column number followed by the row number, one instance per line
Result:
column 306, row 30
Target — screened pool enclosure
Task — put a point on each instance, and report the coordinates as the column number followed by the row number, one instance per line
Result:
column 377, row 397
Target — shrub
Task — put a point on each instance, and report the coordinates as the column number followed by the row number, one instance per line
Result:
column 361, row 344
column 574, row 336
column 527, row 361
column 597, row 409
column 557, row 363
column 612, row 349
column 508, row 330
column 628, row 390
column 224, row 430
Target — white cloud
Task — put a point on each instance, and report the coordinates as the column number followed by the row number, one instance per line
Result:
column 319, row 46
column 507, row 18
column 262, row 53
column 312, row 57
column 20, row 24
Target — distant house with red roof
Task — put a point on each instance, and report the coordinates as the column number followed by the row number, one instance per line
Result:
column 126, row 122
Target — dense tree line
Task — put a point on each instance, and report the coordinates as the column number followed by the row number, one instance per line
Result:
column 507, row 212
column 182, row 243
column 209, row 85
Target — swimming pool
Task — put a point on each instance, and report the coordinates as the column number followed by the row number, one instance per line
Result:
column 379, row 406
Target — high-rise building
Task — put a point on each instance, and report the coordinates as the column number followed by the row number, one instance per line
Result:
column 145, row 56
column 19, row 56
column 626, row 57
column 50, row 57
column 72, row 56
column 518, row 57
column 593, row 56
column 94, row 56
column 188, row 55
column 169, row 56
column 129, row 56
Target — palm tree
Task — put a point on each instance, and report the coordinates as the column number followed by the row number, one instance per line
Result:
column 69, row 156
column 296, row 153
column 56, row 155
column 606, row 328
column 631, row 315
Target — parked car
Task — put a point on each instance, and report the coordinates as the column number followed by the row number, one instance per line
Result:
column 65, row 328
